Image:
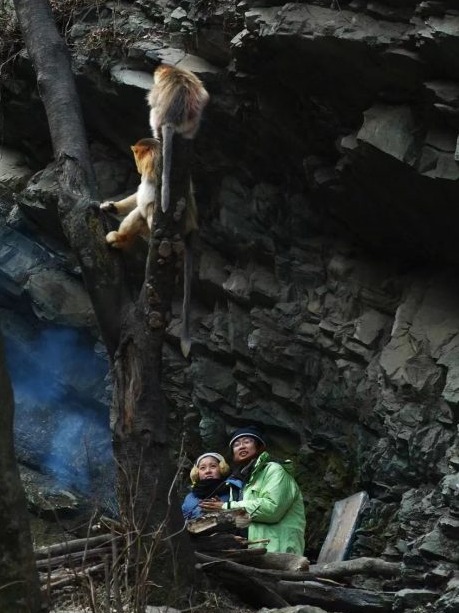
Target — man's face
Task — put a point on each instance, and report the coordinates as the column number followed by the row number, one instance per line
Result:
column 209, row 468
column 245, row 449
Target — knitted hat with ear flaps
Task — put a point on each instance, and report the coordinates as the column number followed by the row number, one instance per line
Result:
column 252, row 431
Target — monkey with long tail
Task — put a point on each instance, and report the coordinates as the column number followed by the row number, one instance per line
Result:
column 177, row 100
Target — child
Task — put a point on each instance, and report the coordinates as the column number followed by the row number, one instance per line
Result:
column 209, row 483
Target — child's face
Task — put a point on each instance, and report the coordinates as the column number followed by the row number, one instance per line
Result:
column 208, row 468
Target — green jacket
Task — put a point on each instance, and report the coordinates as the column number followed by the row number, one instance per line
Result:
column 273, row 500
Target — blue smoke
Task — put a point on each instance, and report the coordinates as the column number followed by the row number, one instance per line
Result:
column 61, row 412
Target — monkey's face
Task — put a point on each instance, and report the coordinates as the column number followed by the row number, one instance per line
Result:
column 143, row 159
column 145, row 152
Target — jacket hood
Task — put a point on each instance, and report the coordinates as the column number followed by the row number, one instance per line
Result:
column 264, row 458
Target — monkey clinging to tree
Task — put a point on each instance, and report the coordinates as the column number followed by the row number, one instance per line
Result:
column 141, row 207
column 177, row 100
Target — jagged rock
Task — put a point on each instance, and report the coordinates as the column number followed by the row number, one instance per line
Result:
column 14, row 172
column 449, row 526
column 58, row 298
column 438, row 546
column 450, row 492
column 369, row 326
column 412, row 598
column 390, row 129
column 39, row 201
column 324, row 297
column 449, row 601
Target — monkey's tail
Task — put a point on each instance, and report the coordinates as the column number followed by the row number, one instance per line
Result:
column 185, row 341
column 167, row 133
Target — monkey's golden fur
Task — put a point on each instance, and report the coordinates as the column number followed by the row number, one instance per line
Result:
column 140, row 207
column 177, row 100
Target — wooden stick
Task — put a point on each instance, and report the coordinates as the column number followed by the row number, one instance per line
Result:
column 358, row 566
column 70, row 558
column 68, row 578
column 70, row 546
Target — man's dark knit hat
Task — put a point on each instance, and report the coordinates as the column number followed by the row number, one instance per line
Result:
column 252, row 431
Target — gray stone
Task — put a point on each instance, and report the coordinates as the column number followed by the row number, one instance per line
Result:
column 369, row 326
column 449, row 526
column 212, row 271
column 446, row 91
column 450, row 492
column 14, row 171
column 263, row 287
column 449, row 601
column 389, row 129
column 411, row 598
column 133, row 78
column 438, row 546
column 438, row 165
column 59, row 298
column 237, row 286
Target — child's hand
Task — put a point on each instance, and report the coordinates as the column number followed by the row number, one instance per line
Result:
column 211, row 505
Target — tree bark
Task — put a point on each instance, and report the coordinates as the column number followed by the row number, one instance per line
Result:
column 358, row 566
column 335, row 597
column 19, row 586
column 132, row 327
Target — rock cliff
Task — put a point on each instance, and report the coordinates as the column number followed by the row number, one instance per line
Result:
column 325, row 300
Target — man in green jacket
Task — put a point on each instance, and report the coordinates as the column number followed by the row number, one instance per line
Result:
column 270, row 495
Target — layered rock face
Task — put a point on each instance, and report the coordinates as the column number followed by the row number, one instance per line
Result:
column 326, row 302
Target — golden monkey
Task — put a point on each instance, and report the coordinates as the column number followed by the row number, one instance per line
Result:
column 140, row 208
column 140, row 205
column 177, row 100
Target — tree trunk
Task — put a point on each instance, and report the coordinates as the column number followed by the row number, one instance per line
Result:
column 139, row 409
column 132, row 327
column 19, row 586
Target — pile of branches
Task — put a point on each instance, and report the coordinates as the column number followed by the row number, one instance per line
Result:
column 280, row 580
column 71, row 561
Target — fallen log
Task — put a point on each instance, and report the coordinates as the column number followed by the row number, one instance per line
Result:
column 71, row 546
column 335, row 598
column 299, row 587
column 358, row 566
column 207, row 563
column 71, row 559
column 281, row 561
column 61, row 579
column 285, row 566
